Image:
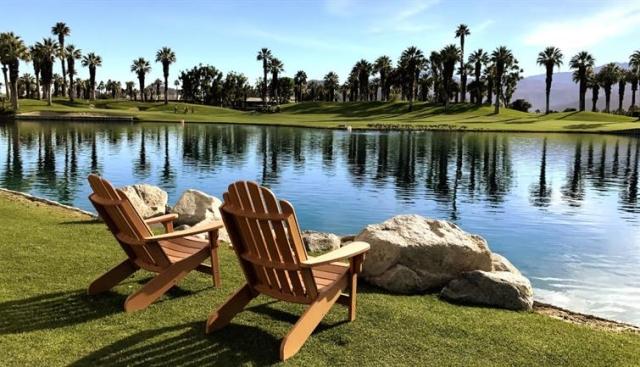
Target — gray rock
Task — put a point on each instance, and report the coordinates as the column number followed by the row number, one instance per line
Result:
column 149, row 201
column 501, row 289
column 195, row 207
column 411, row 254
column 320, row 241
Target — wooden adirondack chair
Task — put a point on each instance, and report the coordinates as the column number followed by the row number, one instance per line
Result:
column 172, row 255
column 266, row 237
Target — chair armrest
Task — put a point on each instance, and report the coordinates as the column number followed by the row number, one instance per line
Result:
column 348, row 251
column 162, row 218
column 209, row 227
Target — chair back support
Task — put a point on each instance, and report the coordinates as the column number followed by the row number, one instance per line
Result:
column 266, row 237
column 126, row 224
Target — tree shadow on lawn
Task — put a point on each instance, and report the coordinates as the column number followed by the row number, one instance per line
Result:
column 55, row 310
column 188, row 345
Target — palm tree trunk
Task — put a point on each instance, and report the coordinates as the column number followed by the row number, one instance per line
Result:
column 48, row 94
column 37, row 86
column 166, row 89
column 6, row 81
column 496, row 110
column 634, row 88
column 607, row 100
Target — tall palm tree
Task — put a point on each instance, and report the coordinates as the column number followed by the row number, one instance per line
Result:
column 331, row 83
column 383, row 67
column 92, row 61
column 410, row 59
column 47, row 52
column 607, row 76
column 550, row 57
column 265, row 56
column 478, row 58
column 622, row 83
column 461, row 32
column 300, row 79
column 141, row 67
column 582, row 62
column 35, row 61
column 634, row 66
column 12, row 50
column 450, row 55
column 363, row 70
column 276, row 67
column 167, row 57
column 594, row 84
column 502, row 57
column 62, row 30
column 73, row 54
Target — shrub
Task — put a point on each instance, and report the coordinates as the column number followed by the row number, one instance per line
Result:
column 569, row 109
column 520, row 105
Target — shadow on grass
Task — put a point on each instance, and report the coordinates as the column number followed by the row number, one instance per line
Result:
column 584, row 126
column 56, row 310
column 187, row 345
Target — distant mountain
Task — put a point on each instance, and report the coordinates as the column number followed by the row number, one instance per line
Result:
column 564, row 92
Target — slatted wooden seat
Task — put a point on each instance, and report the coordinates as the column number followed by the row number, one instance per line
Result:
column 172, row 255
column 266, row 238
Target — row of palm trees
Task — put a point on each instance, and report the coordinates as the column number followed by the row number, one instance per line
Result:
column 584, row 74
column 141, row 67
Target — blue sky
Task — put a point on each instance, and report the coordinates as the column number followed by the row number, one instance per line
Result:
column 324, row 35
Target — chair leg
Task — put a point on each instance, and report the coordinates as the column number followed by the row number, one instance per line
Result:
column 164, row 281
column 309, row 320
column 111, row 278
column 232, row 306
column 215, row 263
column 353, row 289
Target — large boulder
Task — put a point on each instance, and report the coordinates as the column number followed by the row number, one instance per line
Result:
column 411, row 253
column 502, row 289
column 149, row 201
column 195, row 207
column 320, row 241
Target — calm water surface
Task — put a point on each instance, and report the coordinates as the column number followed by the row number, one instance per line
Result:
column 563, row 208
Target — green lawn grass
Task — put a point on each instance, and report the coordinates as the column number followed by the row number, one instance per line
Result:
column 50, row 255
column 359, row 115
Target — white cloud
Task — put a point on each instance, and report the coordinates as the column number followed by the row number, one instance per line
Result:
column 479, row 28
column 338, row 7
column 403, row 20
column 298, row 41
column 578, row 34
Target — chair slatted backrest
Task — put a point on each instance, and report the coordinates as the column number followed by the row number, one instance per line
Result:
column 266, row 237
column 126, row 224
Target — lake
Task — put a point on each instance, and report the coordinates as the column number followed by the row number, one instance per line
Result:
column 562, row 207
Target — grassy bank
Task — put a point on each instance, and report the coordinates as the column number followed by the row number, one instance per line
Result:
column 359, row 115
column 50, row 255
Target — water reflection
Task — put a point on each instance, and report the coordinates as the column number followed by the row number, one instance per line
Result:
column 544, row 200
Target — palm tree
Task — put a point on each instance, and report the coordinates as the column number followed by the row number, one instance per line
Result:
column 607, row 76
column 594, row 84
column 12, row 50
column 502, row 57
column 363, row 70
column 92, row 61
column 141, row 67
column 622, row 83
column 382, row 66
column 167, row 57
column 47, row 52
column 410, row 59
column 450, row 55
column 73, row 54
column 35, row 61
column 331, row 83
column 634, row 66
column 478, row 58
column 129, row 86
column 549, row 58
column 61, row 30
column 276, row 67
column 300, row 79
column 265, row 56
column 582, row 62
column 176, row 85
column 461, row 33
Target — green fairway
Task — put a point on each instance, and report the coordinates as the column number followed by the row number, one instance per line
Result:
column 50, row 255
column 359, row 115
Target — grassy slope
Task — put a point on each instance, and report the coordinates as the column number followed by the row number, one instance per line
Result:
column 51, row 255
column 358, row 115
